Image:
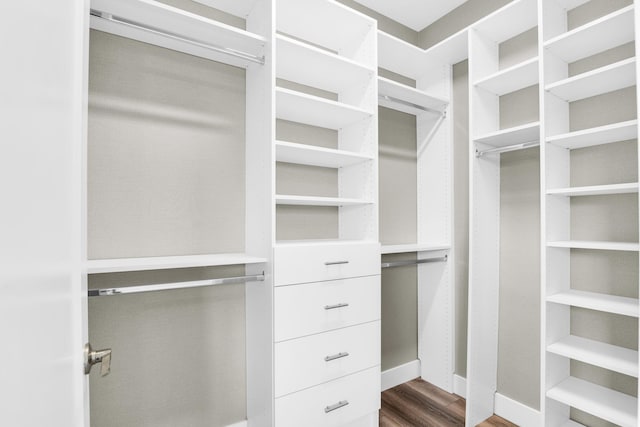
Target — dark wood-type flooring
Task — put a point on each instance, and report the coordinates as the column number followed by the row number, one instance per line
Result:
column 420, row 404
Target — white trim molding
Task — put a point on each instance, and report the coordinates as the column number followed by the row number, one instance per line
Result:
column 239, row 424
column 400, row 374
column 505, row 407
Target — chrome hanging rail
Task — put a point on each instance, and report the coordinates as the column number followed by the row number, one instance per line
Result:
column 411, row 104
column 480, row 153
column 169, row 35
column 412, row 262
column 175, row 285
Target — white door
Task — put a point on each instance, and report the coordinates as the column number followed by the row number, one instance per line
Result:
column 42, row 294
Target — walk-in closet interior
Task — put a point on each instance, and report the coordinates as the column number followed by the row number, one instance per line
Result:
column 232, row 213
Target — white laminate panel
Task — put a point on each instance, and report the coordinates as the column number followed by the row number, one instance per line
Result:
column 308, row 407
column 318, row 307
column 301, row 363
column 301, row 263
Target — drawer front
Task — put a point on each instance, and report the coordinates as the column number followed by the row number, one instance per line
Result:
column 308, row 361
column 332, row 404
column 315, row 263
column 312, row 308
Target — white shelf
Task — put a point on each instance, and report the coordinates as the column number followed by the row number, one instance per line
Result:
column 312, row 110
column 570, row 4
column 572, row 423
column 596, row 190
column 323, row 242
column 509, row 21
column 96, row 266
column 511, row 136
column 410, row 95
column 305, row 64
column 511, row 79
column 585, row 244
column 449, row 51
column 605, row 79
column 412, row 247
column 303, row 154
column 240, row 8
column 312, row 21
column 602, row 402
column 318, row 201
column 186, row 25
column 400, row 57
column 604, row 33
column 615, row 132
column 595, row 301
column 607, row 356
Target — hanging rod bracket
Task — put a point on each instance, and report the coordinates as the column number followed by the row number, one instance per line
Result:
column 174, row 285
column 163, row 33
column 514, row 147
column 411, row 105
column 444, row 258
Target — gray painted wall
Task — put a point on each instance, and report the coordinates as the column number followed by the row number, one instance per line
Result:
column 166, row 177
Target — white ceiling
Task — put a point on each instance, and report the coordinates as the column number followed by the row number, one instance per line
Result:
column 415, row 14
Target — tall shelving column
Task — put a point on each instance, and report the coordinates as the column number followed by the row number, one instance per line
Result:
column 327, row 289
column 162, row 25
column 487, row 83
column 564, row 343
column 429, row 102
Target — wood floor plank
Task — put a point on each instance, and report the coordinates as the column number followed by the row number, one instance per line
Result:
column 418, row 403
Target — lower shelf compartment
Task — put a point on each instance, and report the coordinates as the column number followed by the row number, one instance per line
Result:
column 610, row 405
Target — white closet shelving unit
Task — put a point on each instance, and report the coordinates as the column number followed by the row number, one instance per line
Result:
column 429, row 102
column 327, row 292
column 561, row 390
column 488, row 82
column 169, row 27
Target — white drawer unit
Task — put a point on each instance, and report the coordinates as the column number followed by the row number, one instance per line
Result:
column 315, row 262
column 332, row 404
column 323, row 306
column 308, row 361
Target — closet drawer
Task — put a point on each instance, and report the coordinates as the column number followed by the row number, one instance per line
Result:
column 313, row 407
column 322, row 306
column 316, row 262
column 305, row 362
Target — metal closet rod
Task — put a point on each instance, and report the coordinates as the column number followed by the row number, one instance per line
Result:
column 411, row 104
column 169, row 35
column 174, row 285
column 412, row 262
column 480, row 153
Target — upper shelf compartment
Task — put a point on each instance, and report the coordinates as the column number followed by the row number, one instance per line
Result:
column 155, row 23
column 312, row 21
column 407, row 99
column 509, row 21
column 510, row 79
column 611, row 77
column 315, row 111
column 597, row 36
column 305, row 64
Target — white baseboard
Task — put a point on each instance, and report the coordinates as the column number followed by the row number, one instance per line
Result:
column 460, row 386
column 516, row 412
column 504, row 406
column 239, row 424
column 400, row 374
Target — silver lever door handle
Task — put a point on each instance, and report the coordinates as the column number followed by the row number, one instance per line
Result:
column 93, row 357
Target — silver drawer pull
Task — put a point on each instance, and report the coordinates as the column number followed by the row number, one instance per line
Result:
column 334, row 306
column 336, row 262
column 335, row 406
column 336, row 356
